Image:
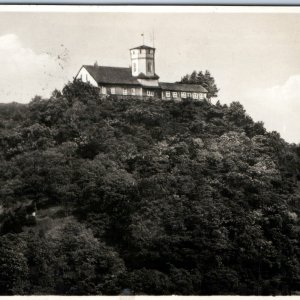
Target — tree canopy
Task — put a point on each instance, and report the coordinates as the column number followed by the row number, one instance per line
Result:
column 145, row 197
column 205, row 79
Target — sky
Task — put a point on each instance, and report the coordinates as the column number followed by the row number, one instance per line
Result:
column 254, row 57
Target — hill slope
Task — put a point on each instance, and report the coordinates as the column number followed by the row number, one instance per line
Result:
column 100, row 196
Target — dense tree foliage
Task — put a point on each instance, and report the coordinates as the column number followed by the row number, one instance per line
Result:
column 110, row 196
column 205, row 79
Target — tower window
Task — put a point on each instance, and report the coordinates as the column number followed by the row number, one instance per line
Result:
column 134, row 67
column 149, row 65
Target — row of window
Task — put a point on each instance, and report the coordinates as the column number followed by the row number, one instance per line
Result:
column 185, row 95
column 150, row 93
column 113, row 91
column 150, row 51
column 125, row 91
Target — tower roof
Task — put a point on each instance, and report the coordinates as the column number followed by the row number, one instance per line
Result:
column 143, row 47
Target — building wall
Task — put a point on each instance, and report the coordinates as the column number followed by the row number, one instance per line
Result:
column 148, row 92
column 120, row 90
column 149, row 82
column 138, row 91
column 179, row 95
column 85, row 76
column 151, row 93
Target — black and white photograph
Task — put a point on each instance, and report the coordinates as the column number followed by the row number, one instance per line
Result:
column 149, row 150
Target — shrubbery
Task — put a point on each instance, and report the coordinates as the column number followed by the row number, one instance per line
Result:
column 157, row 197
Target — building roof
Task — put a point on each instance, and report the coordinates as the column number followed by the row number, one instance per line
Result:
column 183, row 87
column 143, row 47
column 115, row 75
column 112, row 75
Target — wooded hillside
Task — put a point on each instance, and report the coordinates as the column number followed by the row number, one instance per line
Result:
column 145, row 197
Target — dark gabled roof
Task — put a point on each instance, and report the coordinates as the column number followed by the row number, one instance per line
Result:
column 112, row 75
column 182, row 87
column 115, row 75
column 143, row 47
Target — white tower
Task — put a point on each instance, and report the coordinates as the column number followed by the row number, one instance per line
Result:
column 143, row 62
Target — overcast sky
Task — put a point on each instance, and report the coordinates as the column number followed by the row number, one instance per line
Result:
column 255, row 58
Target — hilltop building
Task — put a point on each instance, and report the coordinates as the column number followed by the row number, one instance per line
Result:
column 139, row 80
